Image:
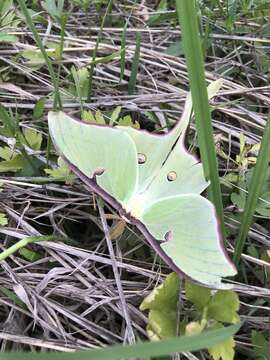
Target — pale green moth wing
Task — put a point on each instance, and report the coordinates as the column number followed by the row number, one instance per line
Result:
column 181, row 173
column 97, row 150
column 156, row 148
column 187, row 227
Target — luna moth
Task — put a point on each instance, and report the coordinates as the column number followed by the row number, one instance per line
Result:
column 154, row 184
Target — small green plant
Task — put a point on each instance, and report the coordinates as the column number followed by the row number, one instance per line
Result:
column 8, row 19
column 61, row 172
column 3, row 219
column 113, row 118
column 212, row 311
column 260, row 346
column 14, row 157
column 54, row 8
column 85, row 4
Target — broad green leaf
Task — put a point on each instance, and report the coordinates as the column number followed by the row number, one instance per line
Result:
column 13, row 165
column 260, row 345
column 32, row 166
column 223, row 350
column 161, row 324
column 33, row 55
column 164, row 297
column 263, row 206
column 137, row 351
column 33, row 138
column 53, row 7
column 3, row 219
column 198, row 295
column 239, row 200
column 29, row 254
column 56, row 52
column 224, row 306
column 39, row 108
column 162, row 303
column 6, row 153
column 6, row 38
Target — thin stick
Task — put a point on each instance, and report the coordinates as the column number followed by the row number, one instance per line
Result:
column 130, row 334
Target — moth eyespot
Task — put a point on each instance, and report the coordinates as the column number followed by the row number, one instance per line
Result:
column 172, row 176
column 99, row 171
column 141, row 158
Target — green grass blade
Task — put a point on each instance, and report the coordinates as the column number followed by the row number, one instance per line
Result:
column 187, row 15
column 141, row 350
column 92, row 67
column 43, row 51
column 123, row 53
column 135, row 65
column 254, row 191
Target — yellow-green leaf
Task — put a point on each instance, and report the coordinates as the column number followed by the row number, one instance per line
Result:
column 224, row 306
column 198, row 295
column 6, row 153
column 13, row 165
column 100, row 118
column 224, row 350
column 164, row 297
column 88, row 116
column 33, row 56
column 161, row 325
column 127, row 121
column 3, row 219
column 33, row 138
